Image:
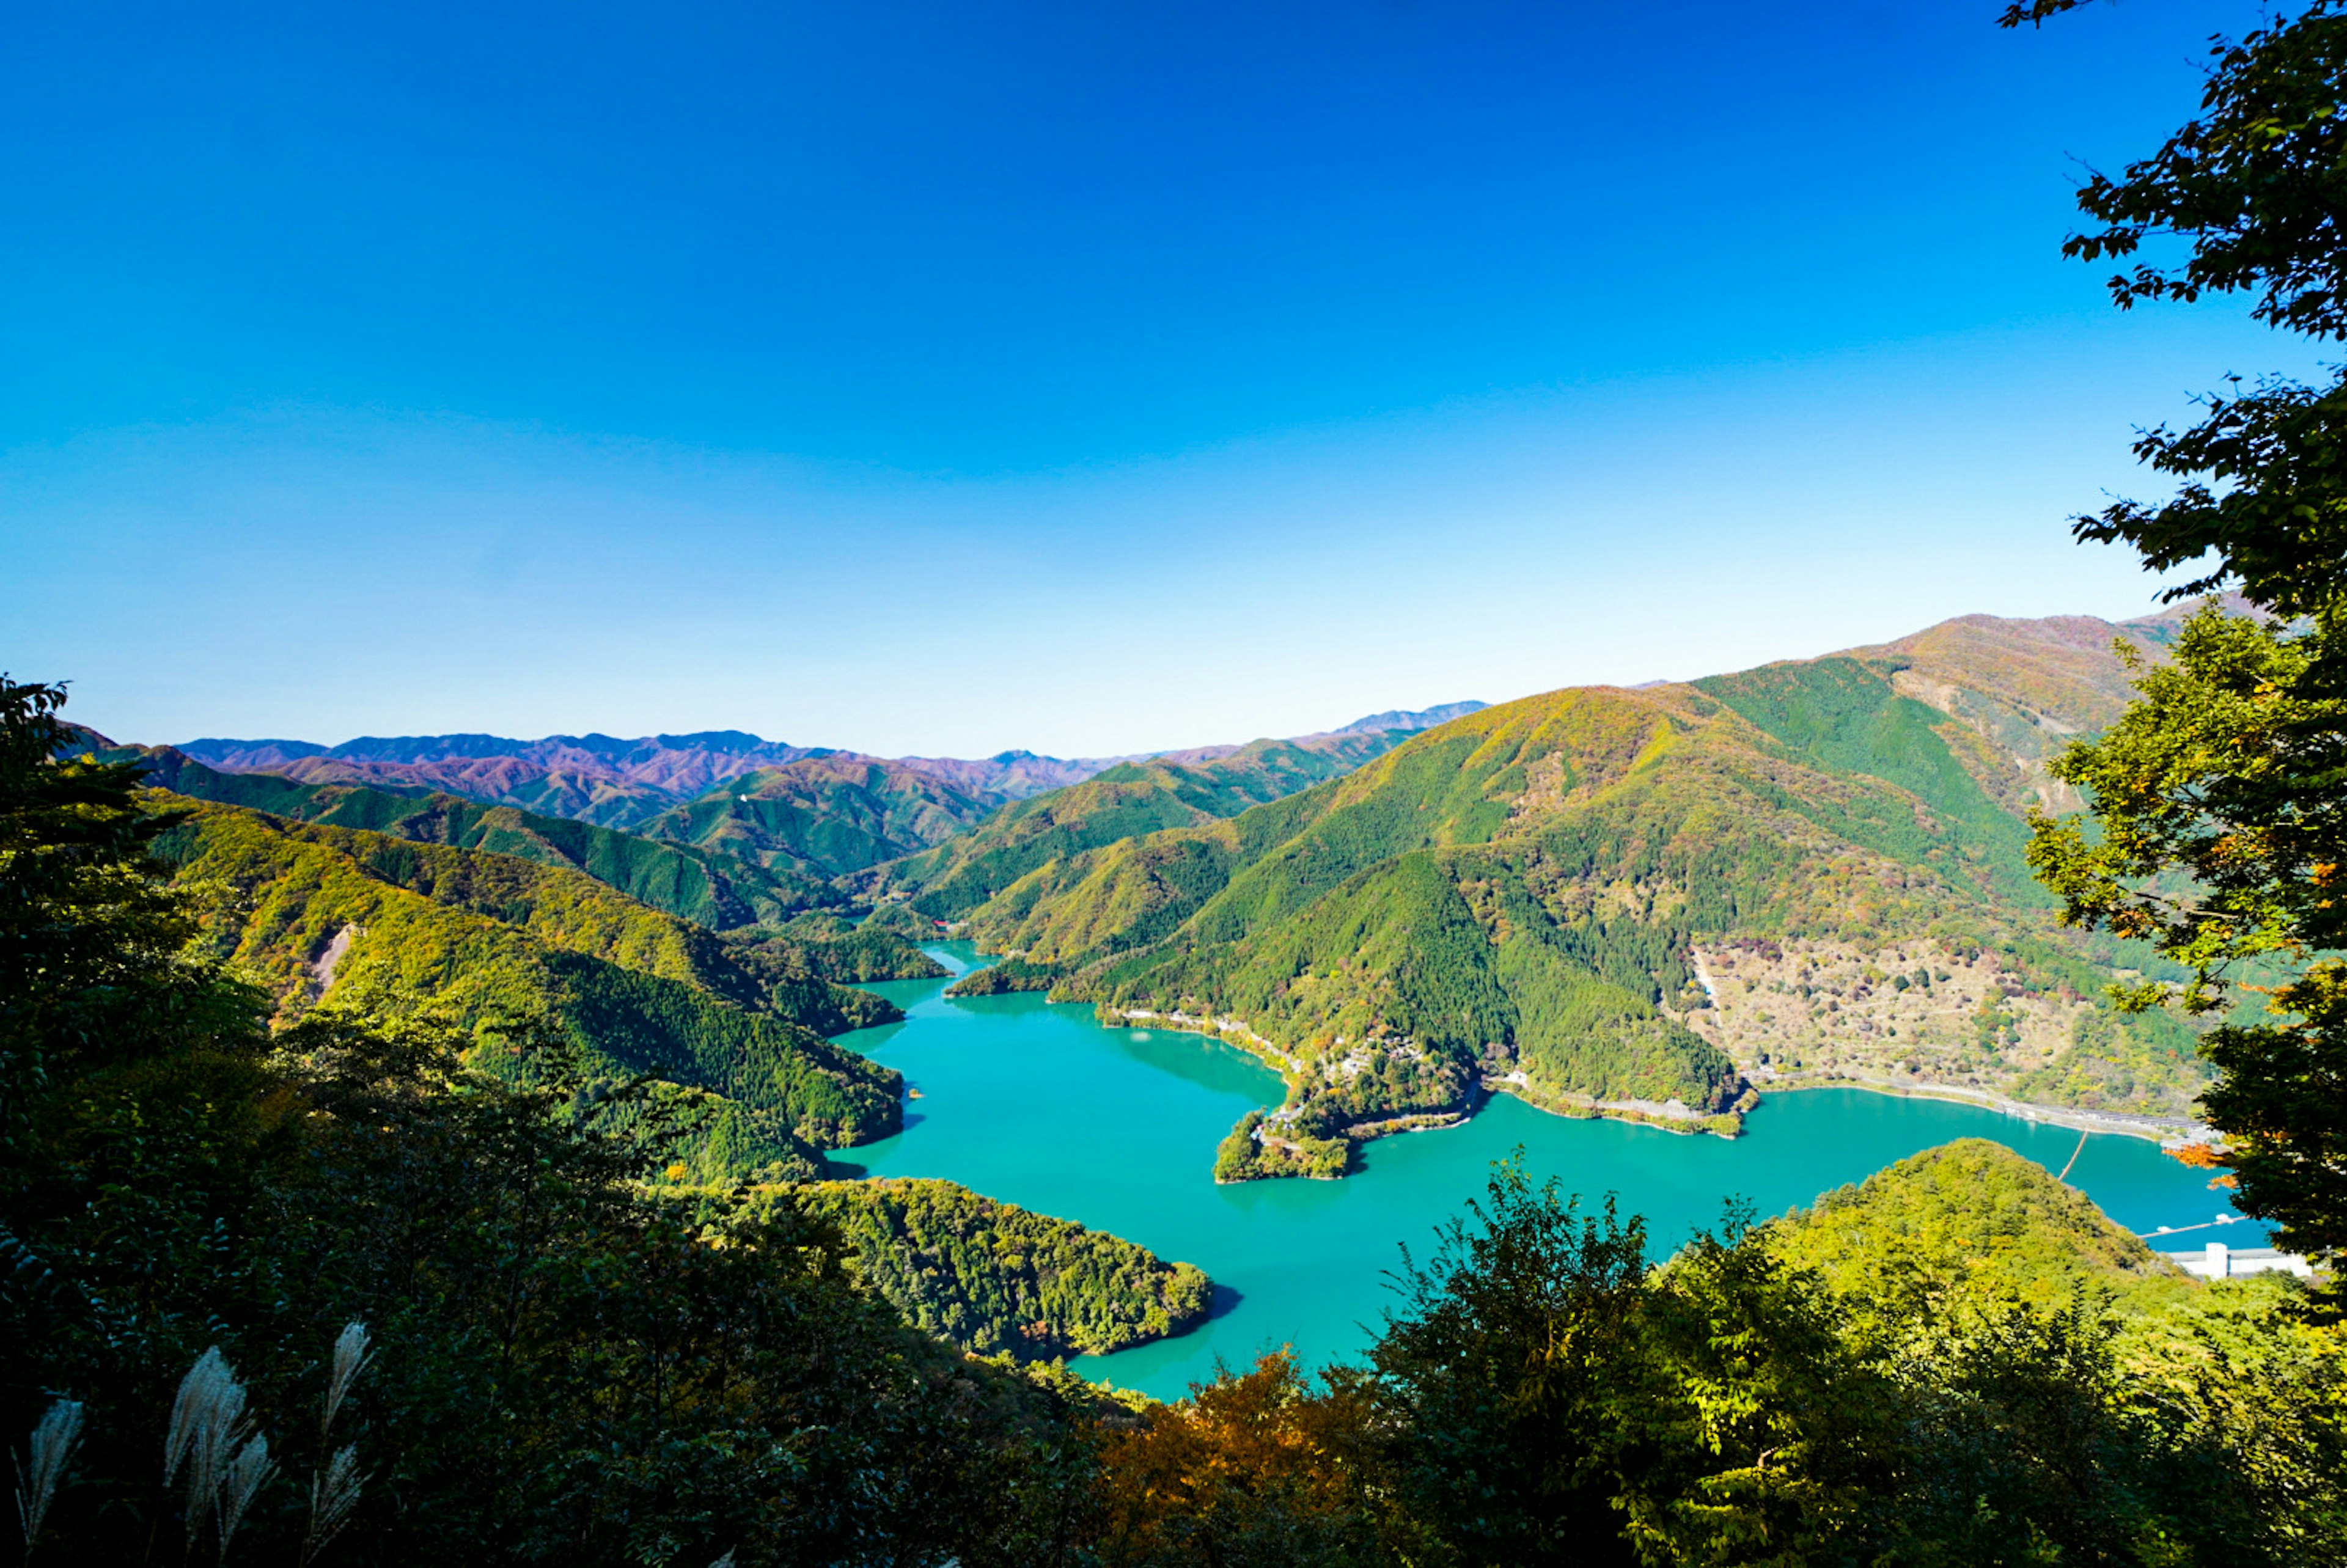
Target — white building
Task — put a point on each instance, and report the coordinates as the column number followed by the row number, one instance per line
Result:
column 2217, row 1261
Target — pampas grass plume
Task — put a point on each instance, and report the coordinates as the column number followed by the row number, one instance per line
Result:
column 332, row 1495
column 208, row 1434
column 350, row 1359
column 37, row 1482
column 245, row 1475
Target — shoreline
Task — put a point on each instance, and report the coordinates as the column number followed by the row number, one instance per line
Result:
column 2165, row 1131
column 2168, row 1131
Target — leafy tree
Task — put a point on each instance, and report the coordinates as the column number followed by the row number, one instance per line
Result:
column 1254, row 1468
column 1500, row 1370
column 2219, row 803
column 91, row 966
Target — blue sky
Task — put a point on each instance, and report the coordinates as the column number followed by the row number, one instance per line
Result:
column 942, row 378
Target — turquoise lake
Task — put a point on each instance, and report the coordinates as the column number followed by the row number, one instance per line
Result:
column 1033, row 1103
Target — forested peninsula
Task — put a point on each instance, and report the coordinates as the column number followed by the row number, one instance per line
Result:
column 991, row 1277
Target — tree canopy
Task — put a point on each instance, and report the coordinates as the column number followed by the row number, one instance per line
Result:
column 2218, row 802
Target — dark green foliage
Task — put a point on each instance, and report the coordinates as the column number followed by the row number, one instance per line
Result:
column 824, row 817
column 1586, row 1036
column 1003, row 977
column 563, row 1370
column 644, row 1026
column 1846, row 717
column 1556, row 1400
column 2227, row 769
column 991, row 1277
column 93, row 968
column 844, row 953
column 1553, row 1394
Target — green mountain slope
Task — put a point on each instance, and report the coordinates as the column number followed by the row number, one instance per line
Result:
column 732, row 1031
column 824, row 817
column 708, row 886
column 1124, row 801
column 992, row 1276
column 1531, row 899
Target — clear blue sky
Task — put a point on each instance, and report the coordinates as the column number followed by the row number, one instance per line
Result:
column 1086, row 377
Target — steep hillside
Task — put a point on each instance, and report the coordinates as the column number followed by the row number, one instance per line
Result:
column 824, row 817
column 734, row 1031
column 992, row 1276
column 708, row 886
column 1125, row 801
column 1530, row 898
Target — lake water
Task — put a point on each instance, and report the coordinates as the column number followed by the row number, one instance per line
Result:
column 1033, row 1103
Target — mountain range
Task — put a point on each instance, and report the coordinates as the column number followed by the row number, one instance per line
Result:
column 617, row 782
column 1654, row 902
column 1649, row 903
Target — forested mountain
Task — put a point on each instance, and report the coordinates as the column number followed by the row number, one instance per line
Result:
column 1129, row 799
column 1531, row 897
column 596, row 778
column 993, row 1278
column 710, row 886
column 624, row 784
column 824, row 817
column 530, row 958
column 423, row 1314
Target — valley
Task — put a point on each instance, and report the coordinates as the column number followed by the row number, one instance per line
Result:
column 1036, row 1103
column 1666, row 908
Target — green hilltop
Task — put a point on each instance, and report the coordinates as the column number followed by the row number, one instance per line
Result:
column 821, row 817
column 1970, row 1215
column 1520, row 900
column 1123, row 802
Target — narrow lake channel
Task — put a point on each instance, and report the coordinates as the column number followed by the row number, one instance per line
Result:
column 1035, row 1104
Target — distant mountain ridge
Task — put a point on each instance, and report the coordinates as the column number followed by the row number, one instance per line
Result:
column 1403, row 719
column 710, row 886
column 615, row 781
